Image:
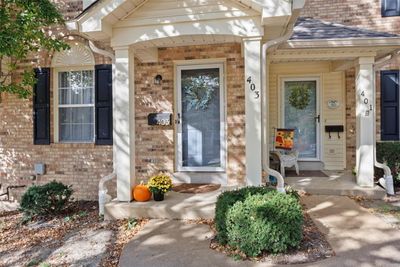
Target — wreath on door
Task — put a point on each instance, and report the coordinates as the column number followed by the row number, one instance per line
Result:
column 199, row 91
column 300, row 96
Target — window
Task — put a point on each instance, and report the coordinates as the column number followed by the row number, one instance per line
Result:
column 82, row 99
column 390, row 8
column 76, row 106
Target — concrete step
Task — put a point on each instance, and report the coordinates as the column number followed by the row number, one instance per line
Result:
column 175, row 206
column 336, row 185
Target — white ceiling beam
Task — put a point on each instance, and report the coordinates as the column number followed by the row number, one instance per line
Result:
column 248, row 27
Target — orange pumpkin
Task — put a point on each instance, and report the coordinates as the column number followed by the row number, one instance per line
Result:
column 141, row 193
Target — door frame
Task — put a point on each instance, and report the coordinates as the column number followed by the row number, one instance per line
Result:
column 281, row 103
column 193, row 65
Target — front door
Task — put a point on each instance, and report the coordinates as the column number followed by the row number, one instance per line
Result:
column 200, row 120
column 300, row 110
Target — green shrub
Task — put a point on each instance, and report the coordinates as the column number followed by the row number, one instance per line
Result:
column 44, row 200
column 225, row 201
column 257, row 219
column 389, row 153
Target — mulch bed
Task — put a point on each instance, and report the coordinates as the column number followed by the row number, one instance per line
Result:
column 195, row 188
column 46, row 233
column 313, row 247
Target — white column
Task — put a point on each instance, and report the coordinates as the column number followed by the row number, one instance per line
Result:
column 124, row 122
column 365, row 104
column 252, row 70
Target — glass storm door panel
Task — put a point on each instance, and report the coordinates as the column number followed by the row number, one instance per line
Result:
column 300, row 112
column 200, row 128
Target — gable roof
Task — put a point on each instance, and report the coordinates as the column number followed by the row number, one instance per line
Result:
column 313, row 29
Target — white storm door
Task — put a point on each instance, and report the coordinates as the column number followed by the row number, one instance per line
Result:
column 200, row 118
column 302, row 115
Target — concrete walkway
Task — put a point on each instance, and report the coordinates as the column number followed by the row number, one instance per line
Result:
column 358, row 238
column 338, row 183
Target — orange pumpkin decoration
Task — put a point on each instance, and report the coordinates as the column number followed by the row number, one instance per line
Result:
column 141, row 193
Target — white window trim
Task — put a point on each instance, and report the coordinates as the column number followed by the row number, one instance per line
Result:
column 56, row 105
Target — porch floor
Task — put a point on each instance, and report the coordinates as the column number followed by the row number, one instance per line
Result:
column 339, row 183
column 176, row 205
column 202, row 206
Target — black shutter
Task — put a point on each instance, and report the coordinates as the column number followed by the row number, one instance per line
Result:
column 390, row 8
column 41, row 107
column 104, row 115
column 390, row 105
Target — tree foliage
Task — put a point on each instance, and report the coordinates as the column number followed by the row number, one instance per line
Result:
column 25, row 28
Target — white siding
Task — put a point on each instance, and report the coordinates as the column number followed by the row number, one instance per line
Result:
column 334, row 149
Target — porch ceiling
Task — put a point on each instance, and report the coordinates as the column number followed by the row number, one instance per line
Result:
column 147, row 51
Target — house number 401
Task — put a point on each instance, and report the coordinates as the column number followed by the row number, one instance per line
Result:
column 366, row 102
column 253, row 88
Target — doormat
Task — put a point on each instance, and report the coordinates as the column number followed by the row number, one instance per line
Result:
column 306, row 174
column 195, row 188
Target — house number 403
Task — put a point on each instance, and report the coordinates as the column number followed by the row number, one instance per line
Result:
column 366, row 102
column 253, row 88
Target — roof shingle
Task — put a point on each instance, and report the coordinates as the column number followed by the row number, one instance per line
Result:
column 313, row 29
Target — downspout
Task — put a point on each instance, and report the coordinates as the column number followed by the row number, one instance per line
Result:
column 387, row 180
column 101, row 51
column 265, row 115
column 103, row 196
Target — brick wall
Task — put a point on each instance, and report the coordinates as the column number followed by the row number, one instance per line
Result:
column 82, row 165
column 360, row 13
column 350, row 119
column 155, row 146
column 69, row 8
column 79, row 165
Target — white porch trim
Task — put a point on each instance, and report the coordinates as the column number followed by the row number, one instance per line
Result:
column 365, row 105
column 124, row 122
column 343, row 42
column 248, row 27
column 253, row 96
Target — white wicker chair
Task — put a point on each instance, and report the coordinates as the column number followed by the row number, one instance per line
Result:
column 288, row 160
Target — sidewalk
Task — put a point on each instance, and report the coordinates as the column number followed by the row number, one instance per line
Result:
column 358, row 238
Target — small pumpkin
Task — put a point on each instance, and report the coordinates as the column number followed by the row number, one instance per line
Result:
column 141, row 193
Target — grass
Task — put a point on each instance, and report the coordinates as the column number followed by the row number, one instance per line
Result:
column 389, row 209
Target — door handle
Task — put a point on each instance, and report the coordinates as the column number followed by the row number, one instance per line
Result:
column 318, row 118
column 178, row 119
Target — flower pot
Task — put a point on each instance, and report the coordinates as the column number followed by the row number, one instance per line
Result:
column 158, row 196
